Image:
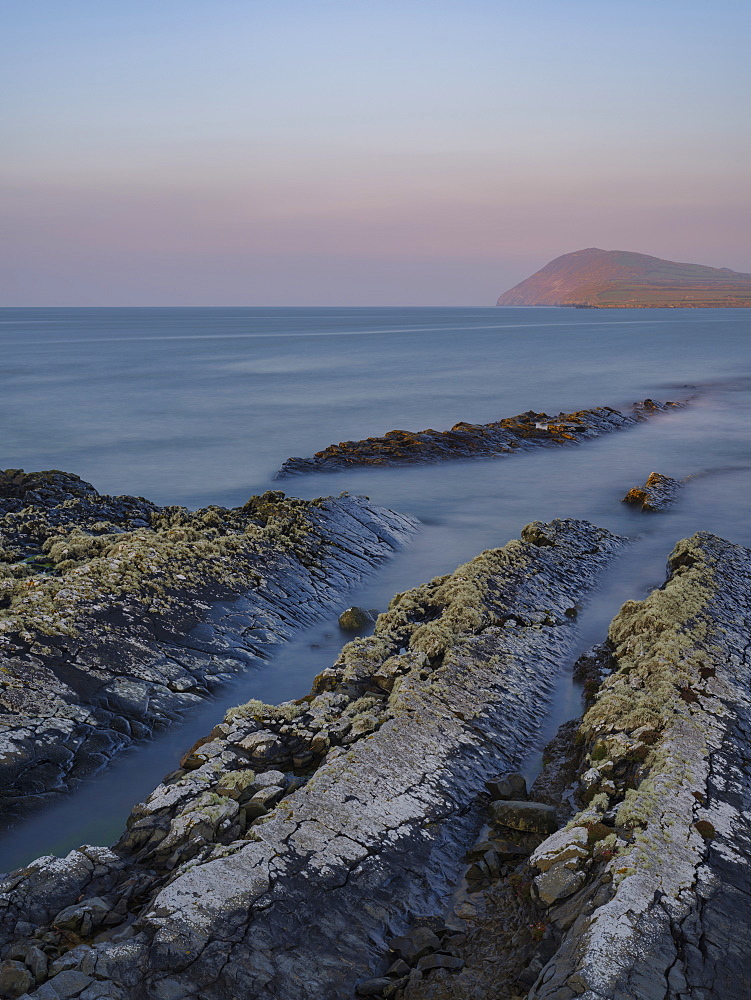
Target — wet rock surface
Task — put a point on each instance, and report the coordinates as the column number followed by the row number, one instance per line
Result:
column 464, row 440
column 290, row 846
column 117, row 615
column 658, row 493
column 645, row 892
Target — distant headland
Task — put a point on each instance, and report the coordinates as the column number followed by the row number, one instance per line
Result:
column 620, row 279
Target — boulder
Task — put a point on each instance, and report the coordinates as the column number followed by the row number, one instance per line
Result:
column 410, row 947
column 557, row 883
column 658, row 493
column 528, row 817
column 372, row 987
column 353, row 619
column 429, row 962
column 511, row 786
column 15, row 979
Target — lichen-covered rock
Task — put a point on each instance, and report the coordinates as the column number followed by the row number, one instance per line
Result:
column 353, row 619
column 529, row 817
column 658, row 493
column 503, row 437
column 373, row 824
column 646, row 893
column 669, row 734
column 116, row 615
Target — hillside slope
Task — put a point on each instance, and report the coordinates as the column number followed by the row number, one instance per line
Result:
column 621, row 279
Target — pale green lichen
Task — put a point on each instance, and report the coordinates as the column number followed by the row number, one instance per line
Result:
column 259, row 710
column 662, row 650
column 660, row 645
column 181, row 551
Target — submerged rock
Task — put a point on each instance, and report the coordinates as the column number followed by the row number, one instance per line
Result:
column 658, row 493
column 374, row 823
column 503, row 437
column 117, row 615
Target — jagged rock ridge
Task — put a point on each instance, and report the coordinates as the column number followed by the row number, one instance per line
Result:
column 117, row 615
column 238, row 856
column 658, row 493
column 620, row 278
column 645, row 893
column 502, row 437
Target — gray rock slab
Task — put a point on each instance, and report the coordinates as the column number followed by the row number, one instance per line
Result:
column 674, row 920
column 119, row 624
column 382, row 822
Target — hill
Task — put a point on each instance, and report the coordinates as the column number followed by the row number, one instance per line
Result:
column 622, row 279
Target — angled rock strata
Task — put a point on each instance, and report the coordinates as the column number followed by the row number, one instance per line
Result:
column 503, row 437
column 296, row 839
column 645, row 893
column 658, row 493
column 117, row 615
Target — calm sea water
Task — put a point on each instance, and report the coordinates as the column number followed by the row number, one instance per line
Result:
column 197, row 406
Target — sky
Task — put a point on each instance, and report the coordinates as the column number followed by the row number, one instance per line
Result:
column 367, row 152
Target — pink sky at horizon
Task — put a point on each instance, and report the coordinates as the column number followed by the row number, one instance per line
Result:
column 262, row 156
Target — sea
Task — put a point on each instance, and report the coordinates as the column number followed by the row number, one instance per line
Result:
column 198, row 406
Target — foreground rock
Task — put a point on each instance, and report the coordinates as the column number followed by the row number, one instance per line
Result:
column 504, row 437
column 296, row 839
column 117, row 615
column 658, row 493
column 646, row 892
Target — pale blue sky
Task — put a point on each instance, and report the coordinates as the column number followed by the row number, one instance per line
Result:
column 384, row 152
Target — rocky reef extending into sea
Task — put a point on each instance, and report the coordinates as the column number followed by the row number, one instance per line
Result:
column 117, row 615
column 374, row 838
column 277, row 859
column 645, row 892
column 502, row 437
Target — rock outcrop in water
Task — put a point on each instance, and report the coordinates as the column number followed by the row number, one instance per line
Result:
column 296, row 839
column 117, row 615
column 658, row 493
column 645, row 893
column 503, row 437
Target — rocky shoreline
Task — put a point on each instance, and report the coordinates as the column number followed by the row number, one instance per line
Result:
column 503, row 437
column 292, row 841
column 644, row 892
column 117, row 616
column 373, row 837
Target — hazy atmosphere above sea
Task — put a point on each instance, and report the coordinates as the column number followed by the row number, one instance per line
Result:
column 345, row 153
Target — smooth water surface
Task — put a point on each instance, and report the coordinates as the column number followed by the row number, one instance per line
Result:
column 199, row 406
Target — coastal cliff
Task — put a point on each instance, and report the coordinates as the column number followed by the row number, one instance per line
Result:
column 620, row 279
